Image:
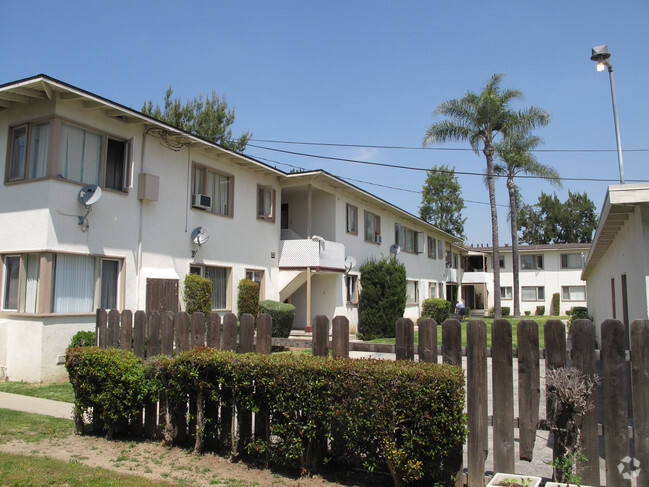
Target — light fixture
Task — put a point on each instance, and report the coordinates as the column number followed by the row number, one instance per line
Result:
column 601, row 55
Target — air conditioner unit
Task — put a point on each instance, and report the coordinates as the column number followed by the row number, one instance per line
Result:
column 377, row 239
column 202, row 201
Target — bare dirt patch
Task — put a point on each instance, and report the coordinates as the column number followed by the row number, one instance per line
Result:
column 156, row 462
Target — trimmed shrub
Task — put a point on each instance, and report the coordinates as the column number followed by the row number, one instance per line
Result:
column 83, row 339
column 504, row 310
column 437, row 309
column 283, row 315
column 527, row 313
column 198, row 294
column 578, row 313
column 383, row 297
column 248, row 298
column 540, row 311
column 556, row 304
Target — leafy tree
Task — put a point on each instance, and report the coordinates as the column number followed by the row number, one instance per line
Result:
column 550, row 221
column 442, row 202
column 208, row 118
column 480, row 118
column 514, row 157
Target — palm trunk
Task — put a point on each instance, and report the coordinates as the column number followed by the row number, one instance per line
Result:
column 513, row 218
column 489, row 152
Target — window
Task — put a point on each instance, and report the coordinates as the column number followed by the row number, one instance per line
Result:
column 74, row 284
column 406, row 238
column 533, row 293
column 21, row 283
column 506, row 292
column 448, row 258
column 432, row 290
column 11, row 275
column 265, row 203
column 501, row 261
column 29, row 151
column 372, row 227
column 531, row 262
column 352, row 219
column 412, row 292
column 351, row 289
column 454, row 260
column 573, row 293
column 432, row 248
column 220, row 277
column 441, row 290
column 258, row 277
column 110, row 270
column 440, row 249
column 219, row 187
column 572, row 261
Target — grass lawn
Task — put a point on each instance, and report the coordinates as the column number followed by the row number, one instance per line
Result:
column 488, row 321
column 32, row 427
column 57, row 391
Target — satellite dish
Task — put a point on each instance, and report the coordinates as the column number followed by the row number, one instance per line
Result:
column 89, row 195
column 350, row 263
column 395, row 249
column 200, row 236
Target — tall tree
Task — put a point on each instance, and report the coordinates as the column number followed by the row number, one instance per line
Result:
column 551, row 221
column 480, row 118
column 208, row 118
column 515, row 157
column 442, row 202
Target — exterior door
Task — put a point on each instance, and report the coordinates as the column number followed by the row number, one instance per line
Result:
column 162, row 295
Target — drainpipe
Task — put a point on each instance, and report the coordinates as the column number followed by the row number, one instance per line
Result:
column 309, row 193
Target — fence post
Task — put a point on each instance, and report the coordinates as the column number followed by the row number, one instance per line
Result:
column 340, row 337
column 503, row 390
column 427, row 349
column 583, row 359
column 153, row 334
column 452, row 342
column 477, row 447
column 227, row 409
column 101, row 327
column 113, row 328
column 640, row 369
column 197, row 336
column 264, row 334
column 182, row 331
column 405, row 339
column 230, row 332
column 139, row 333
column 167, row 329
column 320, row 336
column 247, row 333
column 214, row 330
column 529, row 386
column 126, row 331
column 615, row 382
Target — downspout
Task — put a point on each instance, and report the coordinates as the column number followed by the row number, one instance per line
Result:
column 309, row 194
column 138, row 263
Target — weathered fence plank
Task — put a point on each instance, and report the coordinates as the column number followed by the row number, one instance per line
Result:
column 139, row 333
column 182, row 332
column 614, row 382
column 529, row 386
column 405, row 339
column 247, row 333
column 640, row 370
column 113, row 328
column 167, row 330
column 583, row 358
column 452, row 342
column 229, row 341
column 153, row 334
column 214, row 330
column 126, row 331
column 101, row 326
column 320, row 326
column 427, row 340
column 264, row 334
column 502, row 375
column 340, row 337
column 477, row 401
column 197, row 336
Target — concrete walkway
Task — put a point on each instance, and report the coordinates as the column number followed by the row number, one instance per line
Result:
column 36, row 405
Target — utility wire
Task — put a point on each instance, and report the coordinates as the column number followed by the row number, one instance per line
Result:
column 403, row 147
column 413, row 168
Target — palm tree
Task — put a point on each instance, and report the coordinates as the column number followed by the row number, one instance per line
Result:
column 515, row 158
column 479, row 119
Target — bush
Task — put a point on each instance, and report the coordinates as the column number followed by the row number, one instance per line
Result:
column 283, row 315
column 505, row 310
column 578, row 313
column 83, row 339
column 540, row 311
column 437, row 309
column 383, row 297
column 198, row 294
column 248, row 298
column 527, row 313
column 556, row 304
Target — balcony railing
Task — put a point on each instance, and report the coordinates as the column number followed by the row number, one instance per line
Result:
column 315, row 252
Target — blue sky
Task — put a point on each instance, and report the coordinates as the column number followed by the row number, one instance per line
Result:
column 365, row 73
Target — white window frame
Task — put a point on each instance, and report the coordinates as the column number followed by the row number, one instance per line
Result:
column 351, row 288
column 200, row 174
column 412, row 297
column 432, row 247
column 506, row 292
column 566, row 293
column 534, row 262
column 351, row 221
column 567, row 258
column 432, row 289
column 539, row 292
column 374, row 230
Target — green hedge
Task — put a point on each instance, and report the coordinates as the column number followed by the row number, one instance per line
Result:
column 504, row 310
column 248, row 297
column 556, row 304
column 402, row 417
column 540, row 311
column 83, row 339
column 198, row 294
column 383, row 297
column 578, row 313
column 437, row 309
column 283, row 315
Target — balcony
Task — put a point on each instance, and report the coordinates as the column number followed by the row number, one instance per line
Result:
column 316, row 253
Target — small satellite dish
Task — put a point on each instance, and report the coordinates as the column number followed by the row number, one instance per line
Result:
column 395, row 249
column 350, row 263
column 89, row 195
column 200, row 236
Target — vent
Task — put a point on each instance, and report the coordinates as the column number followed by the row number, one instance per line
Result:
column 202, row 201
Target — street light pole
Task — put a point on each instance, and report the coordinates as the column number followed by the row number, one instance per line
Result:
column 601, row 55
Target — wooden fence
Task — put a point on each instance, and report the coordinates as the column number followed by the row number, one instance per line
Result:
column 620, row 414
